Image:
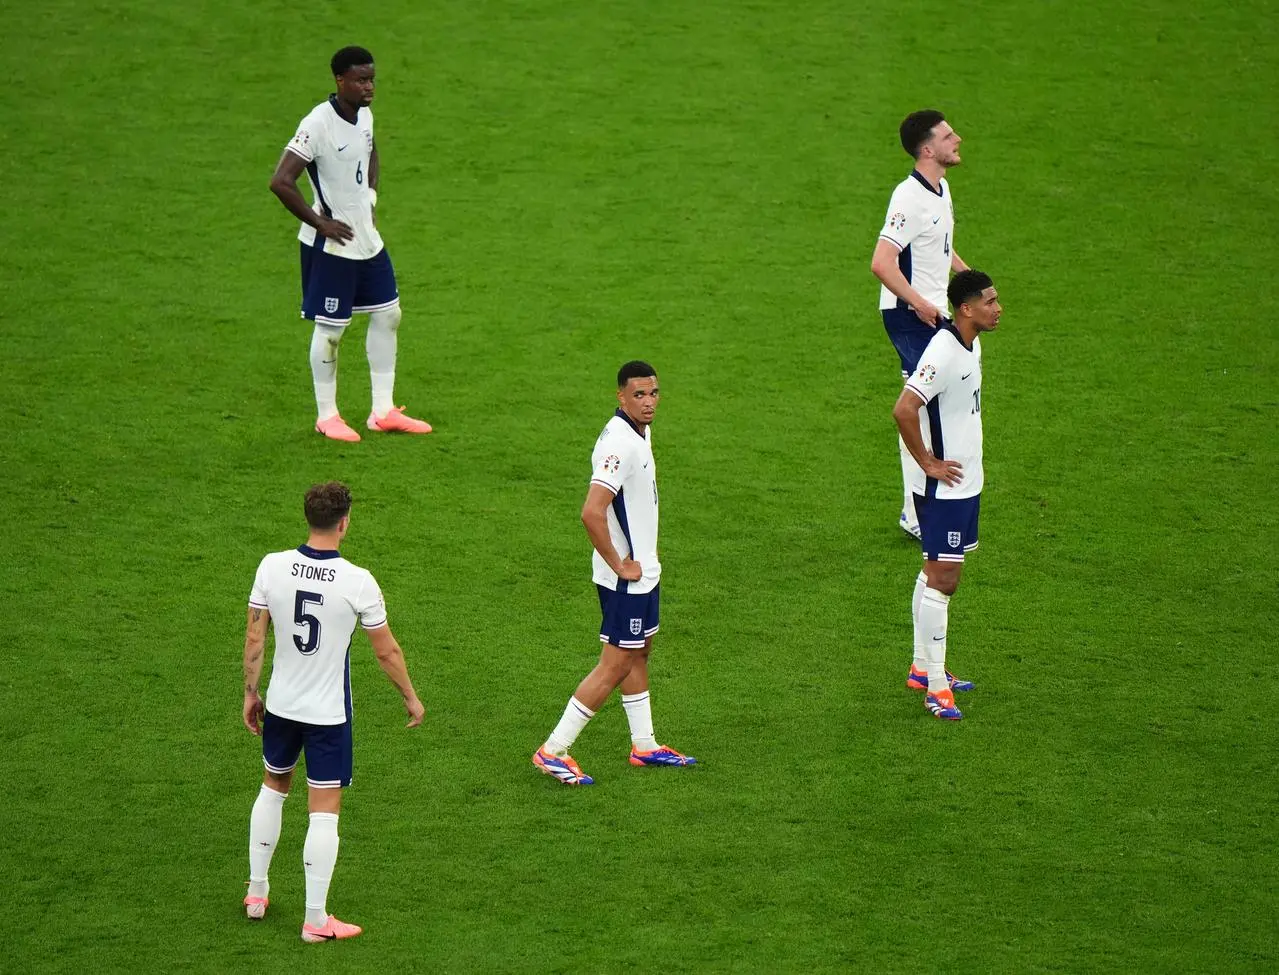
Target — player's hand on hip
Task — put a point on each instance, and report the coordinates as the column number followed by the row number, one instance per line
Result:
column 630, row 571
column 335, row 230
column 927, row 313
column 416, row 712
column 253, row 713
column 949, row 472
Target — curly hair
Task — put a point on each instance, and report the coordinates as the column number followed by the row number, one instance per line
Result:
column 327, row 504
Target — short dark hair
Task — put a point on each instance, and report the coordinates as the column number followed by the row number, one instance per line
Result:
column 635, row 369
column 967, row 285
column 327, row 504
column 349, row 57
column 917, row 127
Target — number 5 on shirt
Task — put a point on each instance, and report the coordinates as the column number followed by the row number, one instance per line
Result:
column 302, row 618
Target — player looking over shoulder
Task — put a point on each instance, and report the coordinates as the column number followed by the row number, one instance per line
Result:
column 620, row 516
column 949, row 476
column 315, row 598
column 915, row 254
column 345, row 268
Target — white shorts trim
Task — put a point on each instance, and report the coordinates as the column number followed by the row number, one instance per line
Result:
column 950, row 558
column 276, row 769
column 329, row 784
column 365, row 309
column 331, row 322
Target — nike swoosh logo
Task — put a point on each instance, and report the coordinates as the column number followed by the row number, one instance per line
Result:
column 935, row 219
column 938, row 639
column 340, row 148
column 329, row 361
column 962, row 378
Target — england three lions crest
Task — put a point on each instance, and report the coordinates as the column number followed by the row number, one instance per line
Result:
column 953, row 539
column 636, row 627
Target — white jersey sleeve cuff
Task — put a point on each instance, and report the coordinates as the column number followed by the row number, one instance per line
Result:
column 611, row 487
column 896, row 243
column 301, row 155
column 918, row 392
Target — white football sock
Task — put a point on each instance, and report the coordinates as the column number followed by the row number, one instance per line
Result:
column 933, row 608
column 921, row 660
column 264, row 833
column 324, row 369
column 380, row 344
column 639, row 714
column 319, row 855
column 576, row 715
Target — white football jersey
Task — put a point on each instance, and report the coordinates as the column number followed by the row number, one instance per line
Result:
column 337, row 163
column 948, row 380
column 623, row 462
column 315, row 598
column 920, row 221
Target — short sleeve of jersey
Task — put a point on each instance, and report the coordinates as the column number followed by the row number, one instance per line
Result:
column 369, row 605
column 611, row 461
column 257, row 595
column 305, row 142
column 904, row 222
column 934, row 370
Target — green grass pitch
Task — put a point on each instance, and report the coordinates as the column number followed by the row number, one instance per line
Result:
column 566, row 186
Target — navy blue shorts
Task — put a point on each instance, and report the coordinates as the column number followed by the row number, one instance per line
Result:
column 947, row 526
column 910, row 336
column 327, row 747
column 334, row 288
column 629, row 619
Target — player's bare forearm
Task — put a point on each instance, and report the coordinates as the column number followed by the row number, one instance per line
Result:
column 883, row 264
column 375, row 167
column 892, row 278
column 957, row 263
column 284, row 184
column 391, row 659
column 254, row 647
column 596, row 524
column 295, row 203
column 906, row 414
column 397, row 672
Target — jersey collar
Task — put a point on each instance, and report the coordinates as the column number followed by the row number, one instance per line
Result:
column 629, row 422
column 319, row 553
column 948, row 325
column 916, row 174
column 333, row 103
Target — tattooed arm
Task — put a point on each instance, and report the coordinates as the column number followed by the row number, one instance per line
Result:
column 254, row 650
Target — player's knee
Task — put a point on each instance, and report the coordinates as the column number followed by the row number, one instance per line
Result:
column 280, row 782
column 331, row 336
column 945, row 582
column 324, row 800
column 388, row 318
